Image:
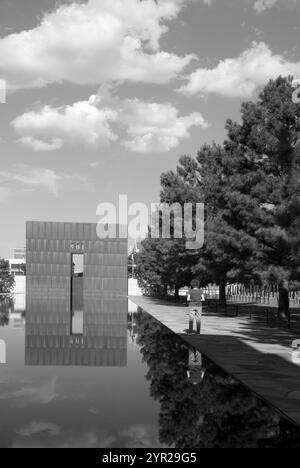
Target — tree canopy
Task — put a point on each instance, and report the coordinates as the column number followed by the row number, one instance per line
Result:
column 250, row 186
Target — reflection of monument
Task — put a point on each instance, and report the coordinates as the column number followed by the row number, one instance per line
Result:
column 50, row 341
column 76, row 304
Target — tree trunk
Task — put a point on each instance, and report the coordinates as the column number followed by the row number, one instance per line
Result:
column 284, row 301
column 176, row 292
column 165, row 290
column 222, row 294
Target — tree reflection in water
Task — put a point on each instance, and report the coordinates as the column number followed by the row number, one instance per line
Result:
column 200, row 405
column 6, row 306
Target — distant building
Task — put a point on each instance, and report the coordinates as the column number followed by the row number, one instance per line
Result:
column 17, row 266
column 19, row 253
column 17, row 319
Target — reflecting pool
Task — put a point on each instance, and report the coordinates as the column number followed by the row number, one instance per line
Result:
column 129, row 382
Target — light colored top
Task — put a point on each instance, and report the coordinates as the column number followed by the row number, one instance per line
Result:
column 195, row 295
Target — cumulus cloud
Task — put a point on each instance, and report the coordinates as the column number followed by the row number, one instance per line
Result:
column 150, row 126
column 50, row 128
column 94, row 42
column 241, row 76
column 262, row 5
column 37, row 428
column 40, row 145
column 42, row 393
column 140, row 436
column 37, row 179
column 66, row 439
column 94, row 164
column 156, row 127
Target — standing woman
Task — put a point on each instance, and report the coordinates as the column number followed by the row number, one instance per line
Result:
column 195, row 299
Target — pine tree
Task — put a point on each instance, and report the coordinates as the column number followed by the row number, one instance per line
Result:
column 211, row 179
column 163, row 264
column 268, row 138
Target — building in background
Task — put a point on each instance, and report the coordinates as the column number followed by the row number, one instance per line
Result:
column 17, row 266
column 19, row 253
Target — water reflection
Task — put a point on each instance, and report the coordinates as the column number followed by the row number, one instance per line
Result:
column 6, row 305
column 200, row 405
column 75, row 406
column 92, row 336
column 196, row 369
column 192, row 403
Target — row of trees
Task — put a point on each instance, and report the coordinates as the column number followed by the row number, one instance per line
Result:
column 250, row 186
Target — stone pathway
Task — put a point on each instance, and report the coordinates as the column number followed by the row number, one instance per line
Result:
column 258, row 356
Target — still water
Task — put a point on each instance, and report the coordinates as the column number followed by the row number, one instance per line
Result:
column 148, row 390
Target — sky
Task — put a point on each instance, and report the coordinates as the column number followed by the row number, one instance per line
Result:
column 103, row 96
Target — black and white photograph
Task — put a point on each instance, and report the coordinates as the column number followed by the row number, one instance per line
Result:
column 149, row 227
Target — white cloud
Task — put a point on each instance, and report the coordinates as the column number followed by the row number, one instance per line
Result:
column 262, row 5
column 51, row 128
column 94, row 164
column 94, row 42
column 38, row 428
column 38, row 179
column 40, row 145
column 156, row 127
column 241, row 76
column 140, row 436
column 150, row 126
column 42, row 393
column 66, row 439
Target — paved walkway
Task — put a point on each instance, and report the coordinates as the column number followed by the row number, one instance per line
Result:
column 258, row 356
